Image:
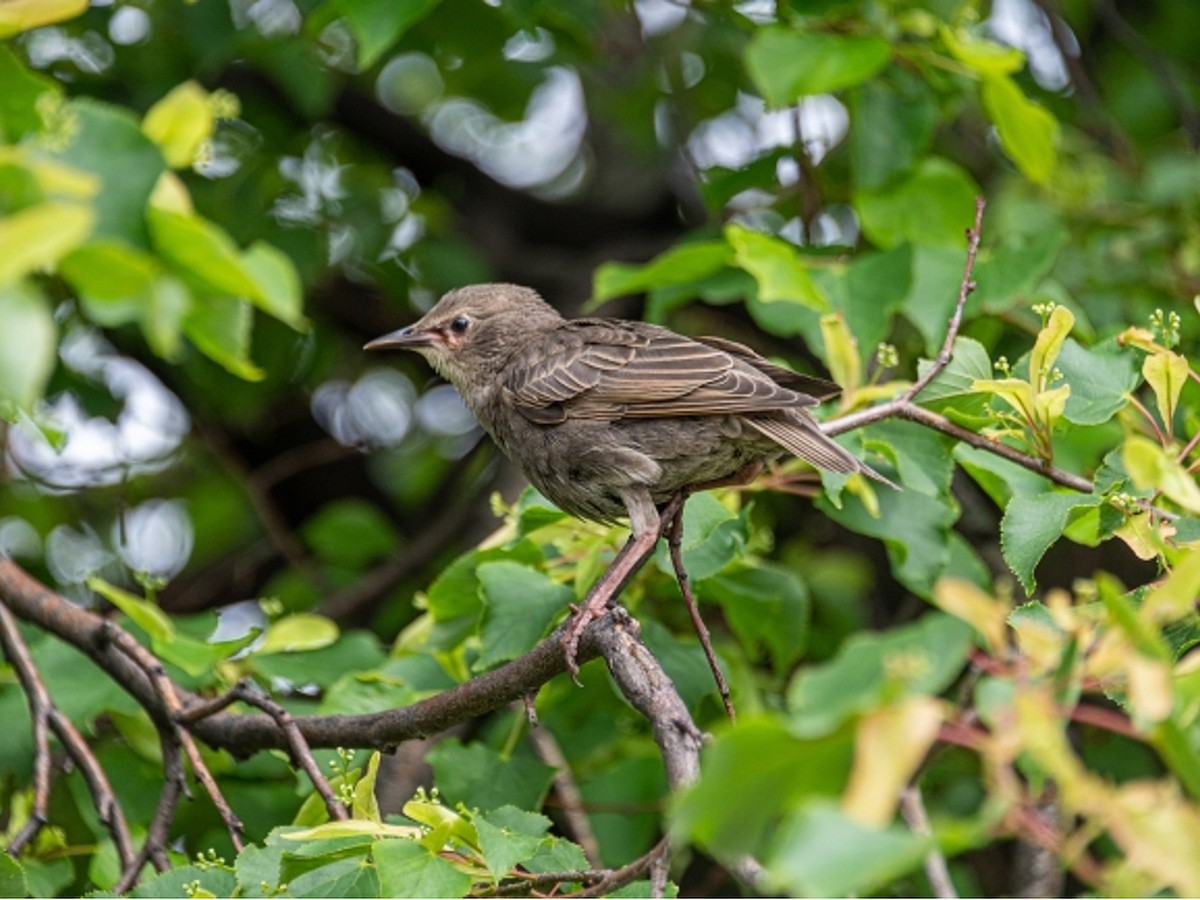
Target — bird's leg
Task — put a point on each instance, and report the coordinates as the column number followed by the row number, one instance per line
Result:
column 674, row 543
column 646, row 525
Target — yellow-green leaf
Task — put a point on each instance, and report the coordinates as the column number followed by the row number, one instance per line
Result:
column 988, row 615
column 22, row 15
column 890, row 743
column 1049, row 405
column 351, row 828
column 40, row 235
column 300, row 631
column 1028, row 132
column 841, row 352
column 1174, row 597
column 1166, row 373
column 145, row 615
column 180, row 123
column 777, row 266
column 1152, row 468
column 28, row 341
column 1016, row 393
column 1048, row 345
column 366, row 806
column 983, row 56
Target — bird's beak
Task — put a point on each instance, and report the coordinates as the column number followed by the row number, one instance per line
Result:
column 411, row 337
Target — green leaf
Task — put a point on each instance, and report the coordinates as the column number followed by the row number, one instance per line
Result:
column 480, row 777
column 821, row 852
column 1101, row 379
column 108, row 142
column 520, row 604
column 351, row 533
column 914, row 526
column 28, row 347
column 1028, row 132
column 750, row 774
column 118, row 283
column 12, row 878
column 892, row 124
column 202, row 250
column 279, row 292
column 1048, row 345
column 378, row 24
column 932, row 207
column 503, row 845
column 216, row 881
column 144, row 613
column 786, row 65
column 921, row 658
column 19, row 99
column 681, row 265
column 933, row 292
column 984, row 56
column 406, row 869
column 713, row 536
column 767, row 606
column 1031, row 524
column 969, row 362
column 777, row 267
column 220, row 328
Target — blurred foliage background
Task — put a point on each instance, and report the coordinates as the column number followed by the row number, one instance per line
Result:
column 207, row 208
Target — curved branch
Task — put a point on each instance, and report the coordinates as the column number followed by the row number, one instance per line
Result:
column 905, row 407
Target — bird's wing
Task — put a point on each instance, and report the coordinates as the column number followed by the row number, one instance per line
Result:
column 820, row 388
column 596, row 368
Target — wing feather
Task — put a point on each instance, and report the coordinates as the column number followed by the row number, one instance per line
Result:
column 606, row 369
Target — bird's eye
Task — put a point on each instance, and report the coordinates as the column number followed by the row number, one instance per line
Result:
column 460, row 324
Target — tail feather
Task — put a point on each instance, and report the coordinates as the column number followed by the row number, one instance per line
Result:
column 802, row 437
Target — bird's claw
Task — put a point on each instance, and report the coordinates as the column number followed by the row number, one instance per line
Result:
column 581, row 618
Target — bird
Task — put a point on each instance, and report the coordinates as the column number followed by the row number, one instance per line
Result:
column 613, row 418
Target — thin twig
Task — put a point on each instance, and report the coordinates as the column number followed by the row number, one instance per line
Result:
column 569, row 795
column 108, row 809
column 168, row 692
column 247, row 692
column 912, row 808
column 674, row 542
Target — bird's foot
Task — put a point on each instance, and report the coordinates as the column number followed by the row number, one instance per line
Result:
column 582, row 616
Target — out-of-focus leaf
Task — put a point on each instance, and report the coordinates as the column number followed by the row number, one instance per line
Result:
column 38, row 236
column 220, row 328
column 889, row 744
column 922, row 658
column 377, row 25
column 931, row 207
column 713, row 536
column 777, row 267
column 351, row 533
column 480, row 777
column 23, row 15
column 180, row 123
column 1153, row 468
column 819, row 851
column 767, row 606
column 147, row 615
column 298, row 632
column 786, row 65
column 681, row 265
column 28, row 341
column 988, row 615
column 892, row 122
column 1028, row 132
column 984, row 56
column 841, row 352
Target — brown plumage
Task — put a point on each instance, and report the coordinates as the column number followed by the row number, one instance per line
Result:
column 609, row 417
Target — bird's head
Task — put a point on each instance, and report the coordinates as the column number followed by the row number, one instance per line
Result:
column 472, row 331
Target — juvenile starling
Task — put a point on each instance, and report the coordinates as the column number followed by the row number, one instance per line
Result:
column 612, row 418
